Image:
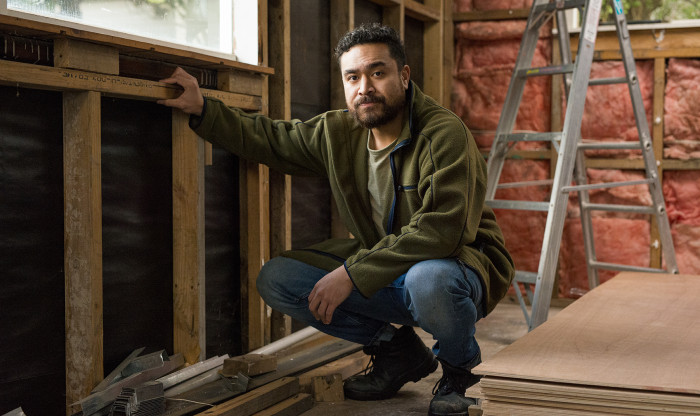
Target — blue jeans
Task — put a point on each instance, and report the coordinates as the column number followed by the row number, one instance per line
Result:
column 443, row 297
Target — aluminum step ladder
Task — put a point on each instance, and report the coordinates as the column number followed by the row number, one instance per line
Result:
column 570, row 173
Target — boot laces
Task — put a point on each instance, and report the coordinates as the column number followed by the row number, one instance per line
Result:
column 449, row 383
column 372, row 351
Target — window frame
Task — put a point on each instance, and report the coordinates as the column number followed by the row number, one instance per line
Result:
column 124, row 39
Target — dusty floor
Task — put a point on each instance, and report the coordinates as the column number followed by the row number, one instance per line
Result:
column 498, row 330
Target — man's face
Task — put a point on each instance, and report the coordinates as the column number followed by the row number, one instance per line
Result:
column 374, row 87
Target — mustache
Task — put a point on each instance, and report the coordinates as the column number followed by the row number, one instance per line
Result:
column 367, row 99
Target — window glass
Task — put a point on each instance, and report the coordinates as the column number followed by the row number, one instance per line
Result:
column 207, row 25
column 654, row 11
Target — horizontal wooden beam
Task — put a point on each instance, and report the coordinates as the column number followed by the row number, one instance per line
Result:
column 647, row 43
column 387, row 3
column 649, row 54
column 422, row 12
column 677, row 164
column 481, row 15
column 43, row 77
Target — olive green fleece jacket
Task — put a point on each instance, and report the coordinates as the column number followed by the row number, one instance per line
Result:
column 439, row 184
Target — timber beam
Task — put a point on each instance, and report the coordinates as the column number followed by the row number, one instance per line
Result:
column 60, row 79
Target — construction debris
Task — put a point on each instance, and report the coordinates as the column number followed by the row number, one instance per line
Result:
column 255, row 383
column 144, row 400
column 99, row 403
column 249, row 364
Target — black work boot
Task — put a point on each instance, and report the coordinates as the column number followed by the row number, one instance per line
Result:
column 449, row 391
column 394, row 363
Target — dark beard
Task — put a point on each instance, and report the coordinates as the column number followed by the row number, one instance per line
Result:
column 372, row 120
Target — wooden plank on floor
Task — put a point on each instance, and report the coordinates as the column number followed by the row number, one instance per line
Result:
column 256, row 400
column 637, row 331
column 188, row 241
column 327, row 388
column 346, row 367
column 82, row 183
column 249, row 365
column 291, row 407
column 306, row 360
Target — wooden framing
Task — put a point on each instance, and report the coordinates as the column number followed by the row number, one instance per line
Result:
column 279, row 38
column 188, row 241
column 83, row 243
column 87, row 67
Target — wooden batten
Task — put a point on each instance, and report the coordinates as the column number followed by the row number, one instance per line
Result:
column 83, row 243
column 252, row 177
column 240, row 82
column 343, row 12
column 75, row 54
column 423, row 11
column 393, row 16
column 647, row 43
column 434, row 53
column 279, row 38
column 43, row 77
column 188, row 241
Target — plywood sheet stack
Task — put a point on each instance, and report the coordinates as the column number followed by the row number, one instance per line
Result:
column 629, row 347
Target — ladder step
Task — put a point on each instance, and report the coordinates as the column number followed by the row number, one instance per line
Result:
column 624, row 267
column 531, row 137
column 546, row 70
column 605, row 185
column 509, row 185
column 610, row 145
column 519, row 205
column 559, row 5
column 525, row 277
column 635, row 209
column 607, row 81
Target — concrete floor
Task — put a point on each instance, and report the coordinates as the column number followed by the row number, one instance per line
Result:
column 498, row 330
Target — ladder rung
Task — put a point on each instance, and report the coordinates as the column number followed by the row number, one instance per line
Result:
column 565, row 5
column 509, row 185
column 635, row 209
column 525, row 277
column 607, row 81
column 605, row 185
column 519, row 205
column 624, row 267
column 610, row 145
column 546, row 70
column 531, row 137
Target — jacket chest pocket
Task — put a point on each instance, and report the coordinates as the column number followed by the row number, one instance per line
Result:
column 408, row 202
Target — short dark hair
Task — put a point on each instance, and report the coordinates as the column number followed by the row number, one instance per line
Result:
column 373, row 33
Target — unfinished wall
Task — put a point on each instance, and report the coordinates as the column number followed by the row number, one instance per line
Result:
column 485, row 54
column 137, row 243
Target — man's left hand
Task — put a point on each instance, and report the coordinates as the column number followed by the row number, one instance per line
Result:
column 328, row 293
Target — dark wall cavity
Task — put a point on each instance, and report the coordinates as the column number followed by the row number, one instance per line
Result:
column 136, row 228
column 32, row 328
column 310, row 71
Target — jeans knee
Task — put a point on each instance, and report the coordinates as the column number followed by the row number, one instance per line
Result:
column 428, row 280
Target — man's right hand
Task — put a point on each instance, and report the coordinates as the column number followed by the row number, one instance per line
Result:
column 191, row 100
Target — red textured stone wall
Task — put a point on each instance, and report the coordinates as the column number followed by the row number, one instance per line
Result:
column 485, row 54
